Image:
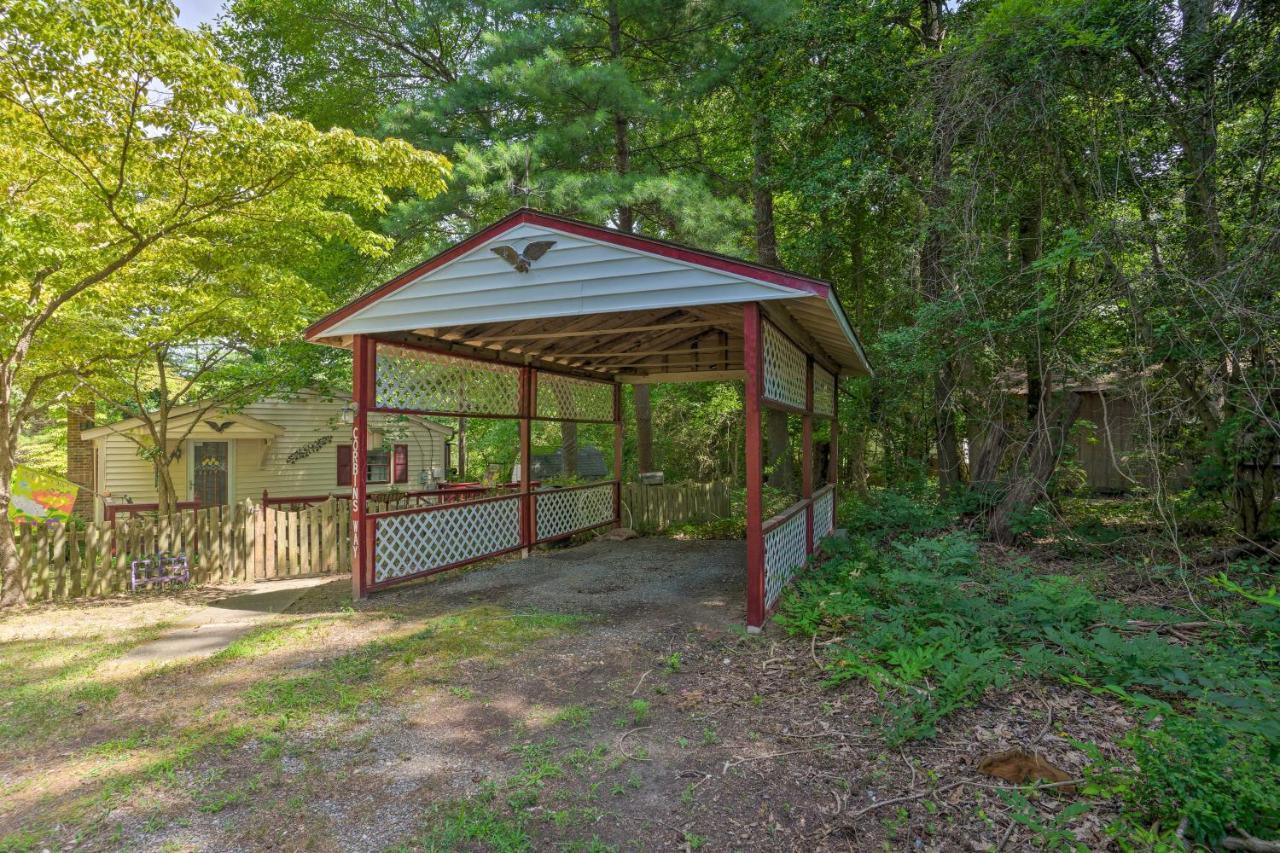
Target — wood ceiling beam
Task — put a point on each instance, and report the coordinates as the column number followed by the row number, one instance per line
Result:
column 663, row 364
column 610, row 336
column 716, row 355
column 655, row 341
column 622, row 353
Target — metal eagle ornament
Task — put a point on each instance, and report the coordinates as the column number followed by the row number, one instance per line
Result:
column 524, row 259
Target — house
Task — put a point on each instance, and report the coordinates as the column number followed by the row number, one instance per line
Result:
column 300, row 446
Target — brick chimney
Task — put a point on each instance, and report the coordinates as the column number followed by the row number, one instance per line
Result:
column 80, row 467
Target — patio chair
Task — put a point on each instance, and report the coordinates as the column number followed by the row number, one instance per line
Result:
column 159, row 570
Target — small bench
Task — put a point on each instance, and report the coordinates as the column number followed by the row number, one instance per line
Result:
column 160, row 569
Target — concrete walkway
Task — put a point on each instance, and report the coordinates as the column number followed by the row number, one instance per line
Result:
column 209, row 629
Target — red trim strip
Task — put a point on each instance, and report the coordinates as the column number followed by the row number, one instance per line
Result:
column 530, row 216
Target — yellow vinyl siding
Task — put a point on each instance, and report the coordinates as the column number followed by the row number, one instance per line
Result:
column 306, row 420
column 259, row 464
column 125, row 473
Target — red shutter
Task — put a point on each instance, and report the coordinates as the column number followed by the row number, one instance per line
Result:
column 344, row 465
column 400, row 464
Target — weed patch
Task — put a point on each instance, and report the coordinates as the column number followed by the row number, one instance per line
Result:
column 932, row 628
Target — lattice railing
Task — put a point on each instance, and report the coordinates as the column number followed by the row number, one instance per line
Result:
column 784, row 368
column 411, row 543
column 565, row 398
column 824, row 392
column 824, row 508
column 561, row 511
column 784, row 554
column 419, row 381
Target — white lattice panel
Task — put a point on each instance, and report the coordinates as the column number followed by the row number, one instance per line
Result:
column 784, row 553
column 418, row 542
column 429, row 382
column 567, row 398
column 824, row 506
column 784, row 368
column 824, row 392
column 564, row 510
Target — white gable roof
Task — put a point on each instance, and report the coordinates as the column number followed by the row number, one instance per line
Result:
column 578, row 275
column 590, row 271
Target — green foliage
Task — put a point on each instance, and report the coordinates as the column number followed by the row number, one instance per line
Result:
column 933, row 628
column 1219, row 779
column 889, row 512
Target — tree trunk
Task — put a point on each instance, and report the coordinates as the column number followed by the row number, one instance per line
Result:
column 11, row 594
column 569, row 447
column 858, row 474
column 1042, row 450
column 621, row 126
column 644, row 429
column 166, row 491
column 933, row 275
column 761, row 192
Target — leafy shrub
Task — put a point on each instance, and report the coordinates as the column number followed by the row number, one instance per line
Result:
column 932, row 629
column 888, row 512
column 1218, row 779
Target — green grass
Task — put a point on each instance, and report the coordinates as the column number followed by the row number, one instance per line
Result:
column 573, row 716
column 48, row 686
column 378, row 670
column 460, row 824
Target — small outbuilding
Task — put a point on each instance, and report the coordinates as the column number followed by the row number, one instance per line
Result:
column 543, row 318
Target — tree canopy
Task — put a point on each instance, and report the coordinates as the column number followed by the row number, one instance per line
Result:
column 149, row 202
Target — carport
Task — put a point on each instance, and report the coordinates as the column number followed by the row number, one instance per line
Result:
column 543, row 318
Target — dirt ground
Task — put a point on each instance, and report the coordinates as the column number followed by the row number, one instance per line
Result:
column 590, row 698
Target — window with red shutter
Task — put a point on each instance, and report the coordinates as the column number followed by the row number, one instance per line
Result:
column 344, row 465
column 400, row 464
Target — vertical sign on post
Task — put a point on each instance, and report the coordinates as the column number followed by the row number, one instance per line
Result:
column 363, row 350
column 754, row 465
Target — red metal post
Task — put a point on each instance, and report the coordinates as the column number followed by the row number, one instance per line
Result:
column 806, row 454
column 617, row 455
column 363, row 352
column 528, row 379
column 752, row 354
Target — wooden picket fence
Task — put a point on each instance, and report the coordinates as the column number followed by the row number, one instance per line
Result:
column 655, row 508
column 225, row 544
column 252, row 542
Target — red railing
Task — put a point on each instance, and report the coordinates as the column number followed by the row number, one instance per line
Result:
column 446, row 493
